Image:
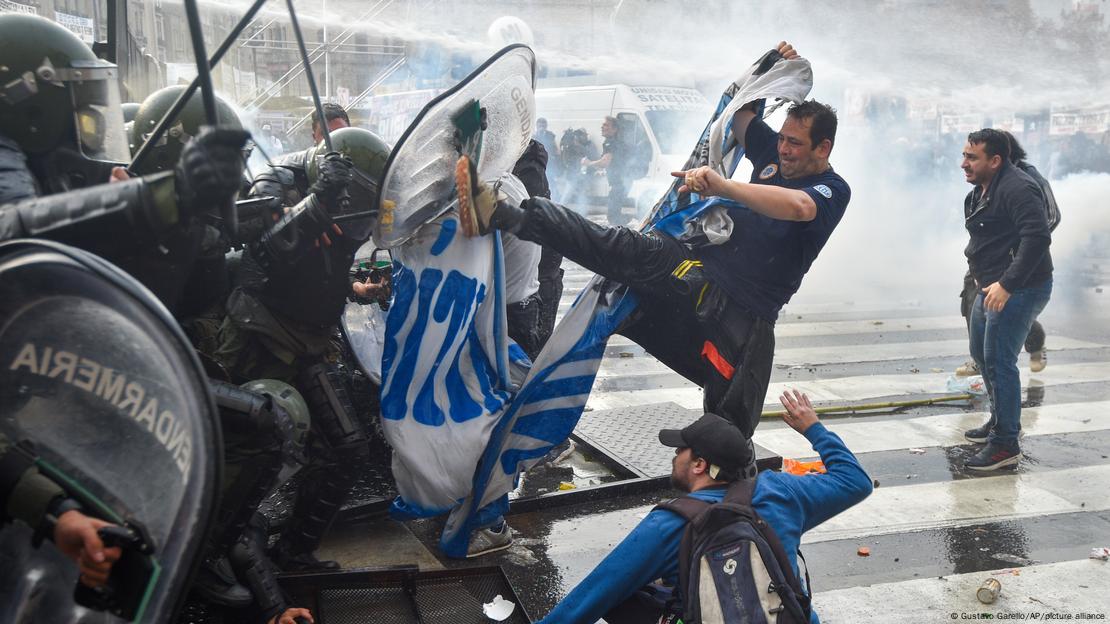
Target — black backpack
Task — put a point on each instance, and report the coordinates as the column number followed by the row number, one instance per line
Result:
column 721, row 580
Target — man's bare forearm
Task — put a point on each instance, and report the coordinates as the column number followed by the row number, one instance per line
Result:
column 773, row 201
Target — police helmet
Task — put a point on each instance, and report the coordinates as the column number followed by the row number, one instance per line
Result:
column 287, row 397
column 166, row 152
column 369, row 153
column 54, row 92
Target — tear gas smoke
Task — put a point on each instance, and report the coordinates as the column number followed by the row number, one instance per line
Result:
column 902, row 237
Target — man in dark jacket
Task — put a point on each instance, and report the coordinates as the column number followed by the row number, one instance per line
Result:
column 1034, row 342
column 1009, row 260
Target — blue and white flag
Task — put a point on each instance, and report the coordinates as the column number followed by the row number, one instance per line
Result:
column 463, row 417
column 546, row 409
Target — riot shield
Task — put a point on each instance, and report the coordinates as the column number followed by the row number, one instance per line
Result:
column 418, row 180
column 102, row 385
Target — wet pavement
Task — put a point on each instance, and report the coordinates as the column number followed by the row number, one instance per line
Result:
column 929, row 520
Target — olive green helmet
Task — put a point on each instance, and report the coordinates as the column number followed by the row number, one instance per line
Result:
column 165, row 153
column 54, row 92
column 369, row 153
column 287, row 398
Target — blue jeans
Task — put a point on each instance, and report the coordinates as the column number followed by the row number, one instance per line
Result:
column 996, row 340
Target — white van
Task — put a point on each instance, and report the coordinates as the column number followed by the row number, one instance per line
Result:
column 665, row 120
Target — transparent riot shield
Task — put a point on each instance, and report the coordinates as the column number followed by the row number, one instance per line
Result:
column 102, row 389
column 418, row 180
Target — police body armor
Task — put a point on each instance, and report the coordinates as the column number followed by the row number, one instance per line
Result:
column 103, row 390
column 308, row 283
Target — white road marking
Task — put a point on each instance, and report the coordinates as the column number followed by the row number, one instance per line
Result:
column 1068, row 587
column 940, row 430
column 998, row 498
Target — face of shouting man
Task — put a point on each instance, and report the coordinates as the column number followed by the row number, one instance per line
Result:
column 979, row 168
column 798, row 156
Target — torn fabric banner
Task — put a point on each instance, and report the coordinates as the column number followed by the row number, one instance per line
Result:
column 448, row 368
column 544, row 412
column 462, row 410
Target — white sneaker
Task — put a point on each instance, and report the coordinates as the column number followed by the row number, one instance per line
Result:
column 489, row 540
column 1037, row 361
column 968, row 370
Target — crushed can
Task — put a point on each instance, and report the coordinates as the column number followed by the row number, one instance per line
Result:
column 988, row 591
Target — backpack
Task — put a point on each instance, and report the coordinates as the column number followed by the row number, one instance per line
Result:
column 722, row 580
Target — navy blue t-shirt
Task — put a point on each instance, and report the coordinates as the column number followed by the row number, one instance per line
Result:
column 762, row 264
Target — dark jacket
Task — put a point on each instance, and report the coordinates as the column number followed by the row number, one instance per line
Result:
column 1009, row 235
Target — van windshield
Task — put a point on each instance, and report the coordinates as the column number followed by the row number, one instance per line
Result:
column 676, row 130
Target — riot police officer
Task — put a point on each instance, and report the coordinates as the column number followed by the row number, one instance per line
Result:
column 264, row 422
column 199, row 247
column 281, row 322
column 61, row 136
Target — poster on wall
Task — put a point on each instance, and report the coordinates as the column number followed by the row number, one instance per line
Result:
column 83, row 27
column 7, row 6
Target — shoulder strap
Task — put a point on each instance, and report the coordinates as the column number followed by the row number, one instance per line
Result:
column 690, row 509
column 809, row 587
column 802, row 593
column 740, row 492
column 685, row 506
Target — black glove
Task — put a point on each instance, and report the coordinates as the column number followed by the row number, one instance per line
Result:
column 335, row 173
column 210, row 170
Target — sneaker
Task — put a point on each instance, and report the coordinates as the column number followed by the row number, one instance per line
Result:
column 477, row 201
column 979, row 434
column 489, row 540
column 217, row 584
column 969, row 369
column 1037, row 361
column 993, row 457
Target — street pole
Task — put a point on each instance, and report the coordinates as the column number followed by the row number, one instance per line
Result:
column 327, row 56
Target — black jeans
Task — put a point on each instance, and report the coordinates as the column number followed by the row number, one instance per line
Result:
column 685, row 322
column 523, row 319
column 551, row 291
column 618, row 195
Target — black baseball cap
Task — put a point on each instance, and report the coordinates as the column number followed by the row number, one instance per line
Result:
column 716, row 440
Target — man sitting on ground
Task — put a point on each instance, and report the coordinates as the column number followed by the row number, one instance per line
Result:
column 618, row 588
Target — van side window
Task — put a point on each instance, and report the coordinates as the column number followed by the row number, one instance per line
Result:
column 635, row 138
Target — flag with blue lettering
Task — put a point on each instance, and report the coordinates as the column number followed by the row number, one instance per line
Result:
column 544, row 412
column 462, row 407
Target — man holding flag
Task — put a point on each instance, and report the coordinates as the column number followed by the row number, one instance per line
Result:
column 726, row 273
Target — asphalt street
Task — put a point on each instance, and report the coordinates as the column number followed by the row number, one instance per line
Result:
column 935, row 532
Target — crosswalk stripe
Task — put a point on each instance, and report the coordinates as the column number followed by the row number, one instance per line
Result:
column 838, row 328
column 884, row 352
column 841, row 354
column 879, row 332
column 1068, row 587
column 970, row 501
column 940, row 430
column 854, row 388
